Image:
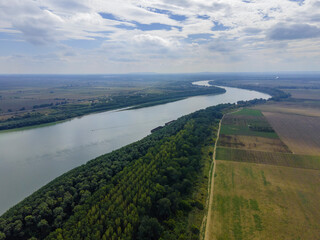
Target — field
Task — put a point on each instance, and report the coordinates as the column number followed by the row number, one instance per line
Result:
column 253, row 143
column 268, row 187
column 305, row 108
column 261, row 187
column 299, row 133
column 247, row 112
column 313, row 94
column 271, row 158
column 255, row 201
column 247, row 122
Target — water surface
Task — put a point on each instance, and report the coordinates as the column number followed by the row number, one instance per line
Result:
column 31, row 158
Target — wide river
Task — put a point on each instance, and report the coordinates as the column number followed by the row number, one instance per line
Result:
column 31, row 158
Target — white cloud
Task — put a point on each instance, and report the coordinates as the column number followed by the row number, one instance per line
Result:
column 253, row 30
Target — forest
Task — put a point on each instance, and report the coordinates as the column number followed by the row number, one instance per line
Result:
column 141, row 191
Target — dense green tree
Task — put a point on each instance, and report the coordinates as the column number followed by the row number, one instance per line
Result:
column 150, row 229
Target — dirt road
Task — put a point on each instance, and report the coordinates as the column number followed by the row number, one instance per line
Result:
column 207, row 223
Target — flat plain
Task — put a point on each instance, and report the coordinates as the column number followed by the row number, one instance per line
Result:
column 269, row 158
column 247, row 125
column 262, row 190
column 299, row 133
column 313, row 94
column 253, row 143
column 305, row 108
column 256, row 201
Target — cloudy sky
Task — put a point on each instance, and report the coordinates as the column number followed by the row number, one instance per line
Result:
column 119, row 36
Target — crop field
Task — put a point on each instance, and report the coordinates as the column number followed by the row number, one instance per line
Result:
column 248, row 112
column 271, row 158
column 299, row 133
column 306, row 108
column 313, row 94
column 247, row 122
column 255, row 201
column 253, row 143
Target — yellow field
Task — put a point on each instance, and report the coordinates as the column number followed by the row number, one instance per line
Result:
column 253, row 143
column 255, row 201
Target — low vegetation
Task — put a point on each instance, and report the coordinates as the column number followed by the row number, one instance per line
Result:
column 247, row 122
column 261, row 187
column 300, row 133
column 256, row 201
column 271, row 158
column 253, row 143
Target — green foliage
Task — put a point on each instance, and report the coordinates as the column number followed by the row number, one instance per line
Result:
column 2, row 236
column 149, row 228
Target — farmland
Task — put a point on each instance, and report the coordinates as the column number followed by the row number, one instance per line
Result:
column 248, row 123
column 253, row 143
column 312, row 94
column 271, row 158
column 305, row 108
column 300, row 133
column 251, row 201
column 260, row 185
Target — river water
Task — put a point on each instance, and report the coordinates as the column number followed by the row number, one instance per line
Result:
column 31, row 158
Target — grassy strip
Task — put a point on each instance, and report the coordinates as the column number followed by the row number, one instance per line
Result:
column 272, row 158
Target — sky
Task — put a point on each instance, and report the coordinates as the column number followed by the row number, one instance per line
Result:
column 164, row 36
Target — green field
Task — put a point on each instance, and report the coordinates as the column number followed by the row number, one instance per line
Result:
column 247, row 122
column 272, row 158
column 245, row 130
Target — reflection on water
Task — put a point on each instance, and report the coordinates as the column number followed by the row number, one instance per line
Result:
column 31, row 158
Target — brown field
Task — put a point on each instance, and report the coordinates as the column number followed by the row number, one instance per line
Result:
column 306, row 108
column 300, row 133
column 313, row 94
column 255, row 201
column 253, row 143
column 270, row 158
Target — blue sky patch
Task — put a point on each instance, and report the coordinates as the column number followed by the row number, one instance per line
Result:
column 110, row 16
column 199, row 38
column 152, row 26
column 219, row 27
column 171, row 15
column 141, row 26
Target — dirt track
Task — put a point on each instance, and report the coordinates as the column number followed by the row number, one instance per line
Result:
column 207, row 219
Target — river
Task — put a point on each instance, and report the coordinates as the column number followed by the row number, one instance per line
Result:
column 31, row 158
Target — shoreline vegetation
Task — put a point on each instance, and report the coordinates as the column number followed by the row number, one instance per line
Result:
column 68, row 111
